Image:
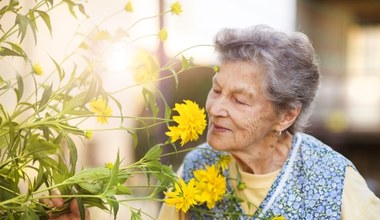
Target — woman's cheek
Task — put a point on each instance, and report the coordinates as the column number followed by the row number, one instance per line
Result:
column 252, row 126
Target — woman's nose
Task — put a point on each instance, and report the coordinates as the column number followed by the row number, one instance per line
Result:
column 218, row 107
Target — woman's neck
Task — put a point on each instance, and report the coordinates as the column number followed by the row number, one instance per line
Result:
column 266, row 157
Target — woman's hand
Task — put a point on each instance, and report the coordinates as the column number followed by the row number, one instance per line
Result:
column 58, row 202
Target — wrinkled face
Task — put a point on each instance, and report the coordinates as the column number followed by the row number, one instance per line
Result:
column 240, row 116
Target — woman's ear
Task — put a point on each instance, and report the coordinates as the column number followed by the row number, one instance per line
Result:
column 287, row 118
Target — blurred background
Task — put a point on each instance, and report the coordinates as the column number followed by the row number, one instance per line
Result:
column 345, row 34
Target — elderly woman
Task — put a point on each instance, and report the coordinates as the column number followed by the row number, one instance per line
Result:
column 258, row 105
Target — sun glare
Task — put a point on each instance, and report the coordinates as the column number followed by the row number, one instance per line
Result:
column 117, row 57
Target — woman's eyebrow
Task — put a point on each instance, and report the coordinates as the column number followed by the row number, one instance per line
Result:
column 243, row 91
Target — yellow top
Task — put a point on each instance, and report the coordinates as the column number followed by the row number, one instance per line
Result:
column 359, row 202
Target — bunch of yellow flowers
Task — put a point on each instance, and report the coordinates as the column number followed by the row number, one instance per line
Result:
column 208, row 186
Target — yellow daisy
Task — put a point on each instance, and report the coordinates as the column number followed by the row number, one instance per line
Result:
column 163, row 34
column 191, row 122
column 223, row 161
column 216, row 69
column 176, row 8
column 37, row 69
column 128, row 7
column 109, row 165
column 100, row 108
column 183, row 197
column 88, row 135
column 211, row 184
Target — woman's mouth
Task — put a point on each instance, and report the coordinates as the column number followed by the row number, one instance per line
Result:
column 219, row 128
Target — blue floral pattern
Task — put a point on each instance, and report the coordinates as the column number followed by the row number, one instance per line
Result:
column 309, row 186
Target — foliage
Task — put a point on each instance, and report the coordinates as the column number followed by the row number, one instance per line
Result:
column 39, row 134
column 40, row 129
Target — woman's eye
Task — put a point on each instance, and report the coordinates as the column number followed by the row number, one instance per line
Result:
column 241, row 102
column 216, row 91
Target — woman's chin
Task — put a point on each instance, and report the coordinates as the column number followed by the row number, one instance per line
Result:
column 217, row 143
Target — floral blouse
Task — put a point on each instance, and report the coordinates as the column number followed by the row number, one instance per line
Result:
column 309, row 185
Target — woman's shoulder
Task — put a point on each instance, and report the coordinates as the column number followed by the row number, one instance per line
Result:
column 313, row 149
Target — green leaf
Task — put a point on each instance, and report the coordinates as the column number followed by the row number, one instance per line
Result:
column 81, row 208
column 18, row 49
column 94, row 188
column 75, row 102
column 80, row 112
column 150, row 99
column 69, row 129
column 10, row 215
column 41, row 148
column 33, row 25
column 61, row 73
column 49, row 2
column 45, row 97
column 45, row 132
column 114, row 174
column 123, row 190
column 29, row 215
column 49, row 164
column 58, row 139
column 40, row 179
column 46, row 19
column 168, row 110
column 8, row 52
column 82, row 9
column 174, row 73
column 135, row 215
column 20, row 87
column 22, row 22
column 114, row 206
column 61, row 174
column 119, row 107
column 91, row 91
column 73, row 154
column 153, row 153
column 9, row 189
column 135, row 138
column 71, row 5
column 90, row 174
column 95, row 202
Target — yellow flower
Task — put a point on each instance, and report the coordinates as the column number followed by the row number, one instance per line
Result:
column 88, row 135
column 109, row 166
column 211, row 184
column 280, row 217
column 163, row 34
column 128, row 7
column 176, row 8
column 216, row 69
column 145, row 67
column 241, row 186
column 37, row 69
column 191, row 122
column 100, row 107
column 183, row 197
column 223, row 161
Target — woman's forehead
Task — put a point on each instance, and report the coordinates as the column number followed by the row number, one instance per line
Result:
column 237, row 84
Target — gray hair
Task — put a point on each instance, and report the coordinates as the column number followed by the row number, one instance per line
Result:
column 289, row 61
